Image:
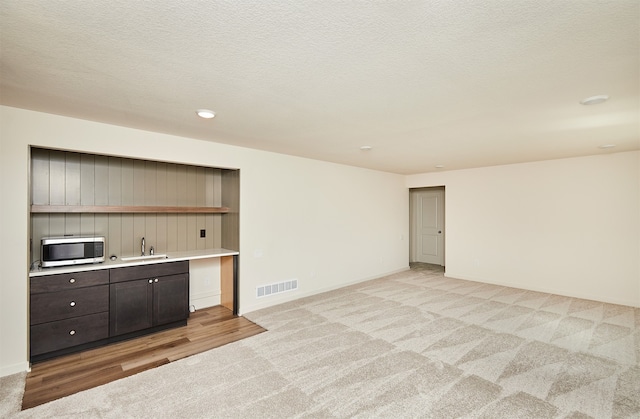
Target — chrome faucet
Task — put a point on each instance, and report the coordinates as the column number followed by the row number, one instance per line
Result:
column 142, row 245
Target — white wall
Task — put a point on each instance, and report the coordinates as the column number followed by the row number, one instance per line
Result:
column 569, row 226
column 325, row 224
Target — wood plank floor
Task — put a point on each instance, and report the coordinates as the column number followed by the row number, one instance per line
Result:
column 206, row 329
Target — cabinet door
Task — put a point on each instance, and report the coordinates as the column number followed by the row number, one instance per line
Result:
column 130, row 306
column 170, row 298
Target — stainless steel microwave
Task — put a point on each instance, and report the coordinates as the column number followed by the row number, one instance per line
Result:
column 71, row 250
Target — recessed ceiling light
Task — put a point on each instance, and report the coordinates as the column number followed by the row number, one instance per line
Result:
column 366, row 148
column 439, row 166
column 606, row 146
column 205, row 113
column 594, row 100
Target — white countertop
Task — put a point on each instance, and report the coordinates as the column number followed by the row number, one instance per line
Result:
column 171, row 257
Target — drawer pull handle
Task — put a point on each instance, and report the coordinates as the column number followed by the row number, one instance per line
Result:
column 151, row 281
column 72, row 281
column 72, row 332
column 72, row 304
column 155, row 280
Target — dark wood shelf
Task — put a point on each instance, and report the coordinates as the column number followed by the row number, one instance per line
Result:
column 124, row 209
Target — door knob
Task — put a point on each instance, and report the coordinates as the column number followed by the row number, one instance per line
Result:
column 72, row 304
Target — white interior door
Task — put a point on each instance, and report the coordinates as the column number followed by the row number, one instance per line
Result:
column 428, row 214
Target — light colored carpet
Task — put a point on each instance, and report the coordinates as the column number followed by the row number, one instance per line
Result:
column 413, row 344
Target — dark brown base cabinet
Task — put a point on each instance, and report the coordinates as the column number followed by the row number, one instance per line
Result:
column 151, row 301
column 77, row 311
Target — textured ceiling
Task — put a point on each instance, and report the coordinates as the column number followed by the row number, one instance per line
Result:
column 425, row 83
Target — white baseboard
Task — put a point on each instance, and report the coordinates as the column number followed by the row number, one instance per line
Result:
column 14, row 369
column 292, row 296
column 204, row 300
column 584, row 296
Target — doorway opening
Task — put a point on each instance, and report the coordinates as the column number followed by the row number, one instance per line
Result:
column 427, row 225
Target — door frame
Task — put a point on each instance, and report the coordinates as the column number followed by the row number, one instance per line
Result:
column 413, row 236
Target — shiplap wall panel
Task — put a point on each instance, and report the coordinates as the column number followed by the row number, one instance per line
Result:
column 72, row 179
column 138, row 182
column 161, row 184
column 150, row 232
column 59, row 178
column 139, row 227
column 181, row 179
column 150, row 177
column 101, row 176
column 192, row 232
column 39, row 222
column 172, row 232
column 172, row 189
column 209, row 188
column 87, row 182
column 40, row 177
column 115, row 181
column 87, row 179
column 126, row 236
column 87, row 225
column 72, row 224
column 215, row 223
column 161, row 232
column 230, row 195
column 40, row 163
column 101, row 223
column 114, row 235
column 126, row 182
column 172, row 200
column 181, row 231
column 161, row 199
column 200, row 185
column 56, row 178
column 57, row 224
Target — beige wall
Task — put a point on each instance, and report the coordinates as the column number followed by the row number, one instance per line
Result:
column 569, row 226
column 324, row 224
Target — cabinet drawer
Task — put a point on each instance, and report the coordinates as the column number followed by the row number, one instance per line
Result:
column 62, row 282
column 61, row 305
column 48, row 337
column 131, row 273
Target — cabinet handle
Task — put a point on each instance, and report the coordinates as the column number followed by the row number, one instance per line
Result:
column 151, row 281
column 72, row 304
column 72, row 281
column 72, row 332
column 155, row 280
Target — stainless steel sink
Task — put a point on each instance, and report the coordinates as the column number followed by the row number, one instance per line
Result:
column 146, row 257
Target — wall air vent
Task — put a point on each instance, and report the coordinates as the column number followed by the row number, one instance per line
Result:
column 285, row 286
